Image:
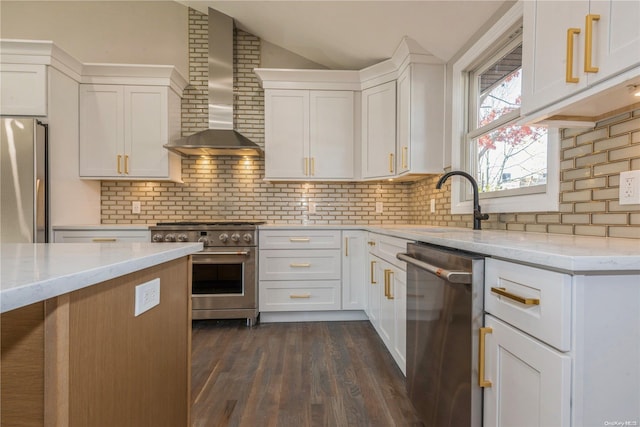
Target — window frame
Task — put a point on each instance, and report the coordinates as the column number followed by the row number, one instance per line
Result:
column 517, row 200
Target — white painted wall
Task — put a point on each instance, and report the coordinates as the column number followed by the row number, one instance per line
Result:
column 129, row 32
column 273, row 56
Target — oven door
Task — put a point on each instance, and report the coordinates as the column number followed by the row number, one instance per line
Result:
column 224, row 279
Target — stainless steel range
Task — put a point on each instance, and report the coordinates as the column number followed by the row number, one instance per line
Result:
column 224, row 272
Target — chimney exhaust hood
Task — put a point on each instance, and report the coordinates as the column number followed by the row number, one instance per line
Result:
column 220, row 138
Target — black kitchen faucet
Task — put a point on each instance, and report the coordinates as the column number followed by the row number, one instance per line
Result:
column 477, row 213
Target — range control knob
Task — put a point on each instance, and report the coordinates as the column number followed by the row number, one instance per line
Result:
column 247, row 237
column 157, row 238
column 203, row 240
column 170, row 238
column 182, row 238
column 223, row 237
column 235, row 237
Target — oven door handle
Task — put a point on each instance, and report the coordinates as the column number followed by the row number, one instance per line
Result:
column 214, row 254
column 463, row 277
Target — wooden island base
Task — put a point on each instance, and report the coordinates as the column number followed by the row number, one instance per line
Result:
column 83, row 359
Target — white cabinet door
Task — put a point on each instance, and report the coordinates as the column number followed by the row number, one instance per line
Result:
column 23, row 89
column 286, row 127
column 548, row 47
column 101, row 131
column 331, row 134
column 123, row 130
column 379, row 131
column 354, row 257
column 399, row 293
column 145, row 115
column 530, row 382
column 616, row 37
column 420, row 120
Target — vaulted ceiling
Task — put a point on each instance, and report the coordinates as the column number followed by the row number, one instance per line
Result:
column 356, row 34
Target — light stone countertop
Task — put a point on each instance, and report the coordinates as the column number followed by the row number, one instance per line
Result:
column 567, row 253
column 35, row 272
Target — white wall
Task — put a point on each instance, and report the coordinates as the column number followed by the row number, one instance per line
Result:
column 130, row 32
column 273, row 56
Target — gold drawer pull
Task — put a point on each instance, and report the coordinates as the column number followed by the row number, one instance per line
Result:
column 119, row 157
column 405, row 151
column 299, row 239
column 373, row 281
column 588, row 43
column 104, row 239
column 300, row 296
column 391, row 162
column 346, row 246
column 126, row 164
column 306, row 166
column 569, row 67
column 482, row 382
column 371, row 243
column 293, row 264
column 522, row 300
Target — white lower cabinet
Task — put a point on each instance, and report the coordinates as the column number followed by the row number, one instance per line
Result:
column 387, row 294
column 557, row 349
column 530, row 382
column 313, row 274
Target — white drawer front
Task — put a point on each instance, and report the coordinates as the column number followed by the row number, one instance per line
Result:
column 299, row 239
column 101, row 236
column 298, row 296
column 300, row 265
column 386, row 247
column 550, row 319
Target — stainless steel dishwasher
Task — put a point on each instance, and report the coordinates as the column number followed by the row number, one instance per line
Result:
column 444, row 314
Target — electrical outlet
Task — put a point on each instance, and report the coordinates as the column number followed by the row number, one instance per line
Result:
column 135, row 207
column 147, row 296
column 433, row 205
column 629, row 192
column 312, row 207
column 379, row 207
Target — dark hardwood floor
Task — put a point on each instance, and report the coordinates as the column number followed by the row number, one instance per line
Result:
column 294, row 375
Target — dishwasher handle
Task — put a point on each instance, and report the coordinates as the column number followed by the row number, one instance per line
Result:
column 463, row 277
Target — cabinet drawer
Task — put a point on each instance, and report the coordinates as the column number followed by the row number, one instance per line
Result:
column 386, row 247
column 101, row 236
column 300, row 239
column 297, row 296
column 549, row 319
column 321, row 264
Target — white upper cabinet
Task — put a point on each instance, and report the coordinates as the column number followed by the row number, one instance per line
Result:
column 309, row 134
column 23, row 89
column 123, row 129
column 379, row 131
column 574, row 51
column 420, row 122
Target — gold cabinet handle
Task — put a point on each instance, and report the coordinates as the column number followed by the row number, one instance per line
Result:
column 306, row 166
column 405, row 152
column 119, row 157
column 371, row 243
column 373, row 264
column 294, row 296
column 391, row 162
column 588, row 43
column 104, row 239
column 299, row 239
column 300, row 265
column 569, row 67
column 346, row 246
column 482, row 382
column 387, row 283
column 522, row 300
column 313, row 166
column 126, row 164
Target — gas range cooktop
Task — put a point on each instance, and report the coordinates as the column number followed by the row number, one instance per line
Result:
column 209, row 233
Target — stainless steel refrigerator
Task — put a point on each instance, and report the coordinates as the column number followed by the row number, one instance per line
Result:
column 24, row 216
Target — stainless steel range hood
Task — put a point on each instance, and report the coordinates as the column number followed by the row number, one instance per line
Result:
column 220, row 138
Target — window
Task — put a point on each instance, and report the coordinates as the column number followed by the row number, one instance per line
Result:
column 516, row 166
column 503, row 155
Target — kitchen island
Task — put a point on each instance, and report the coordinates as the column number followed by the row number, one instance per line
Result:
column 74, row 351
